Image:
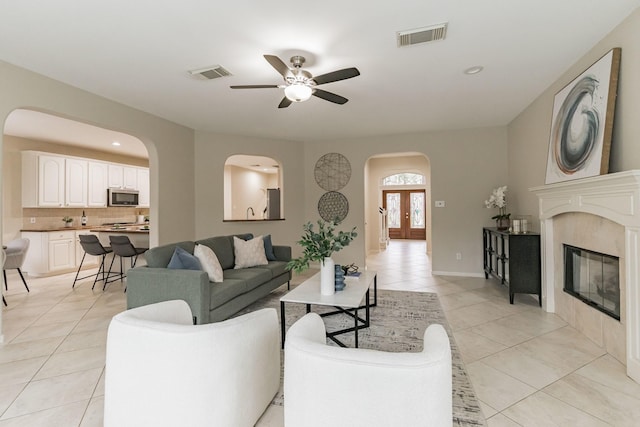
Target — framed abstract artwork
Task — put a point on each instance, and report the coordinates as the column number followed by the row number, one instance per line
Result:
column 582, row 122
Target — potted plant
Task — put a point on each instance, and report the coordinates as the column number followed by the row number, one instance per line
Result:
column 319, row 246
column 498, row 199
column 68, row 221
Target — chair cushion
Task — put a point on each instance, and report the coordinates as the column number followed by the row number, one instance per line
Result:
column 183, row 260
column 249, row 253
column 209, row 262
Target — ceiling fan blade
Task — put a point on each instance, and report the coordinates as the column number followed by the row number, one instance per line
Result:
column 335, row 76
column 254, row 87
column 331, row 97
column 280, row 66
column 285, row 102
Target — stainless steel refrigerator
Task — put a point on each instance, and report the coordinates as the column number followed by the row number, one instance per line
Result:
column 273, row 203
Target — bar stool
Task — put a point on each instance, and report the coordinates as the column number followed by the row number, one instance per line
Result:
column 92, row 246
column 123, row 248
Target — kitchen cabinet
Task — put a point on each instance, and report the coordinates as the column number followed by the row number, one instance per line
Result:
column 76, row 183
column 123, row 177
column 98, row 173
column 49, row 252
column 61, row 250
column 116, row 177
column 42, row 180
column 130, row 178
column 51, row 181
column 144, row 193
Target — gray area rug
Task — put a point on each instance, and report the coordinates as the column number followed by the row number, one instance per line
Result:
column 397, row 325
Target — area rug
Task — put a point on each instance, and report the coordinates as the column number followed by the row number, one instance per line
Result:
column 397, row 324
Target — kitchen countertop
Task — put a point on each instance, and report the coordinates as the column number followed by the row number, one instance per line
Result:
column 130, row 228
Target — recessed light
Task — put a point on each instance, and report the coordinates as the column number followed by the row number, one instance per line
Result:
column 474, row 70
column 115, row 143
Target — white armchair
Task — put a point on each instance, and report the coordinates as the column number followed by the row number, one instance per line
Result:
column 161, row 370
column 331, row 386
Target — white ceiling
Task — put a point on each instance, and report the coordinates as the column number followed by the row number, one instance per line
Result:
column 139, row 53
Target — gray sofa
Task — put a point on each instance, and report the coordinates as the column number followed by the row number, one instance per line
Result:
column 209, row 302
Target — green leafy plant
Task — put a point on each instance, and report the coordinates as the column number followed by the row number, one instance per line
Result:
column 317, row 245
column 67, row 219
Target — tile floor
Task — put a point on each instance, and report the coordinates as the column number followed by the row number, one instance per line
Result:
column 527, row 366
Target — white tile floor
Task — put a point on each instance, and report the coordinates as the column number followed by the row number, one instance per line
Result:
column 527, row 366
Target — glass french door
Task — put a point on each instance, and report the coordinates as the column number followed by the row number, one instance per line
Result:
column 405, row 213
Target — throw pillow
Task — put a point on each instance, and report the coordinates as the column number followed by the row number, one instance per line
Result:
column 249, row 253
column 268, row 248
column 209, row 262
column 183, row 260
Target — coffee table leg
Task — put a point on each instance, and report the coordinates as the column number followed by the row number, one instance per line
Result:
column 308, row 308
column 366, row 323
column 356, row 325
column 282, row 326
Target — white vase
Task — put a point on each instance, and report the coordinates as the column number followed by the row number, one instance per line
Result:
column 327, row 277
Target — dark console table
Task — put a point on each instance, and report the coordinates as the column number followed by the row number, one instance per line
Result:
column 514, row 259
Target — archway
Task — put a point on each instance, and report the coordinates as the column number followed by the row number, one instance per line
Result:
column 376, row 169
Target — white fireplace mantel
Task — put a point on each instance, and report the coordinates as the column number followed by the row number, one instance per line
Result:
column 615, row 197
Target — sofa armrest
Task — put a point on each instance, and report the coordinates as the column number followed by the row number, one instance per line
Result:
column 282, row 253
column 146, row 285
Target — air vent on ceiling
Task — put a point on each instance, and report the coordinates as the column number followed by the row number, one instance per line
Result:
column 422, row 35
column 211, row 73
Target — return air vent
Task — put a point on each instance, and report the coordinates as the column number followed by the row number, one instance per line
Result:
column 211, row 73
column 422, row 35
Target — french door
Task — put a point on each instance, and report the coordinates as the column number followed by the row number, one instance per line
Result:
column 405, row 213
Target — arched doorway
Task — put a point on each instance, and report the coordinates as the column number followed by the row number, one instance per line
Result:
column 400, row 167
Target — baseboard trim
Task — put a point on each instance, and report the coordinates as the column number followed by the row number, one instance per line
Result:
column 455, row 273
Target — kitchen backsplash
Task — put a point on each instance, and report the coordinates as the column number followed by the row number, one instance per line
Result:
column 52, row 217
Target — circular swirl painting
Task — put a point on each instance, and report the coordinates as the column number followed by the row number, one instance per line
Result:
column 332, row 171
column 576, row 128
column 333, row 206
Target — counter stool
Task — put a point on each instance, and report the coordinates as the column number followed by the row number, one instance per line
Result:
column 92, row 246
column 123, row 248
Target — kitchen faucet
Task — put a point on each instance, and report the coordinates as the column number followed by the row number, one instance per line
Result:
column 252, row 212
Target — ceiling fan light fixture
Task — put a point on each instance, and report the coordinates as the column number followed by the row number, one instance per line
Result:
column 298, row 92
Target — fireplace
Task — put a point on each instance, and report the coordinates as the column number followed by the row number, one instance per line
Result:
column 593, row 278
column 605, row 203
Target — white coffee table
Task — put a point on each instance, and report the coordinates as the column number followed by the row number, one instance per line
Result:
column 347, row 301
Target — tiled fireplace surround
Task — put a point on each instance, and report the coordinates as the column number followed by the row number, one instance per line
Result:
column 601, row 214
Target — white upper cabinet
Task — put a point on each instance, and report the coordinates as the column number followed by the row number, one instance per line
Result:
column 98, row 184
column 123, row 177
column 50, row 180
column 130, row 178
column 76, row 183
column 144, row 193
column 51, row 172
column 116, row 177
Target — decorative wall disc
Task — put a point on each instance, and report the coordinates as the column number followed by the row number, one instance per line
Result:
column 333, row 206
column 332, row 171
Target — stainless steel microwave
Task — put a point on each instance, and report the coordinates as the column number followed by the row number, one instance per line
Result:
column 119, row 197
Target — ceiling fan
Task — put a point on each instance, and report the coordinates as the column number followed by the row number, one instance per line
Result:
column 300, row 84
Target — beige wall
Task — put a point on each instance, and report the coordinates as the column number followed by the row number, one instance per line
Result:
column 167, row 143
column 211, row 152
column 465, row 166
column 529, row 132
column 379, row 168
